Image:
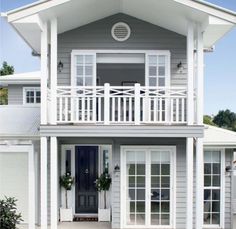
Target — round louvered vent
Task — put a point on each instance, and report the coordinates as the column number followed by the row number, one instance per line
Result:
column 120, row 31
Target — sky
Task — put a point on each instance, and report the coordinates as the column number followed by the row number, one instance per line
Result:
column 220, row 66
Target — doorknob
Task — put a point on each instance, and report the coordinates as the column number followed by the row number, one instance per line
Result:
column 86, row 171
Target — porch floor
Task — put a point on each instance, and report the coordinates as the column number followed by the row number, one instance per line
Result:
column 77, row 225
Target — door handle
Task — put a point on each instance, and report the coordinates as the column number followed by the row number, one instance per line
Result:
column 86, row 171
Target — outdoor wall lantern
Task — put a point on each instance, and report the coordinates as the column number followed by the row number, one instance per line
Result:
column 117, row 168
column 60, row 66
column 180, row 66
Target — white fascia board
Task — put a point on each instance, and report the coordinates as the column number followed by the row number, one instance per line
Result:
column 33, row 9
column 210, row 9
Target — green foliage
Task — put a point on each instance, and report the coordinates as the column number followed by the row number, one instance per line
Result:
column 66, row 181
column 6, row 69
column 208, row 120
column 103, row 182
column 226, row 119
column 9, row 218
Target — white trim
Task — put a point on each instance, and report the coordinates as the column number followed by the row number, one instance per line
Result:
column 172, row 186
column 34, row 89
column 222, row 188
column 29, row 149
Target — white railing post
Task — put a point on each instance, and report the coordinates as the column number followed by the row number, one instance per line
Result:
column 106, row 103
column 137, row 104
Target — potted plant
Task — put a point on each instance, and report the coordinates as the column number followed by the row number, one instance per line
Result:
column 66, row 181
column 9, row 217
column 103, row 184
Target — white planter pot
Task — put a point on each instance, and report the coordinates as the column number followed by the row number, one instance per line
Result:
column 66, row 215
column 104, row 215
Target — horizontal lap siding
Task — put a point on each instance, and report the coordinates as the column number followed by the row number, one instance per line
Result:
column 15, row 94
column 145, row 36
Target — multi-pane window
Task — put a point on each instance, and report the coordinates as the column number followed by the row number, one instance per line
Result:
column 136, row 175
column 84, row 70
column 157, row 70
column 32, row 95
column 212, row 187
column 160, row 188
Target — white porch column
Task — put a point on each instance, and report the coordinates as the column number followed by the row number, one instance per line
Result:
column 189, row 174
column 54, row 182
column 200, row 75
column 190, row 65
column 199, row 183
column 53, row 71
column 31, row 167
column 43, row 182
column 44, row 72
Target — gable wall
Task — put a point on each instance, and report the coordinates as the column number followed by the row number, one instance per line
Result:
column 144, row 36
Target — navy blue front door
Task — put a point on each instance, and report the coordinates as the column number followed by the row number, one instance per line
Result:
column 86, row 173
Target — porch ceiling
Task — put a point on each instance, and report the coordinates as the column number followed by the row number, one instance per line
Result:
column 170, row 14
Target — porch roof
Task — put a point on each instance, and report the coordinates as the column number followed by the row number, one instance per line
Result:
column 215, row 136
column 21, row 78
column 19, row 121
column 216, row 21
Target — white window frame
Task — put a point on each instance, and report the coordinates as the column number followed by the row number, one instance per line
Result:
column 104, row 51
column 35, row 89
column 222, row 189
column 172, row 150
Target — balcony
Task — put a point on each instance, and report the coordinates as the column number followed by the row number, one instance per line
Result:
column 124, row 105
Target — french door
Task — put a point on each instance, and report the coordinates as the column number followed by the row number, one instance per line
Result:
column 147, row 186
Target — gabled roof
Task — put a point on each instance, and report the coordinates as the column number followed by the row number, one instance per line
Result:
column 19, row 121
column 21, row 78
column 170, row 14
column 215, row 136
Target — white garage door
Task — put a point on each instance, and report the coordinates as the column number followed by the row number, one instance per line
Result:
column 14, row 179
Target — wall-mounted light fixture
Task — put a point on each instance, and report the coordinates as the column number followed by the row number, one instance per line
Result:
column 180, row 66
column 60, row 66
column 117, row 168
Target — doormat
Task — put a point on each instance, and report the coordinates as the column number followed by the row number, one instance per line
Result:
column 85, row 219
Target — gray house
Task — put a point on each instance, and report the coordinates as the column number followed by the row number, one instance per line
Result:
column 120, row 92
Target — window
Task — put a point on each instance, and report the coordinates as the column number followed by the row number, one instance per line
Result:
column 212, row 187
column 32, row 95
column 148, row 194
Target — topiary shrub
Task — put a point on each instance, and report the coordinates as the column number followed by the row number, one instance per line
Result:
column 9, row 217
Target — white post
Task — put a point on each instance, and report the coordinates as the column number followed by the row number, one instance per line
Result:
column 106, row 103
column 44, row 73
column 31, row 195
column 199, row 183
column 190, row 61
column 200, row 75
column 54, row 182
column 137, row 104
column 43, row 173
column 53, row 71
column 189, row 174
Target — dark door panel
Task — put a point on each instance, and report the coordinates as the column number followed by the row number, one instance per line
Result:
column 86, row 173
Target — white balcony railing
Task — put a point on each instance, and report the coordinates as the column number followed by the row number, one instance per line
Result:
column 121, row 105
